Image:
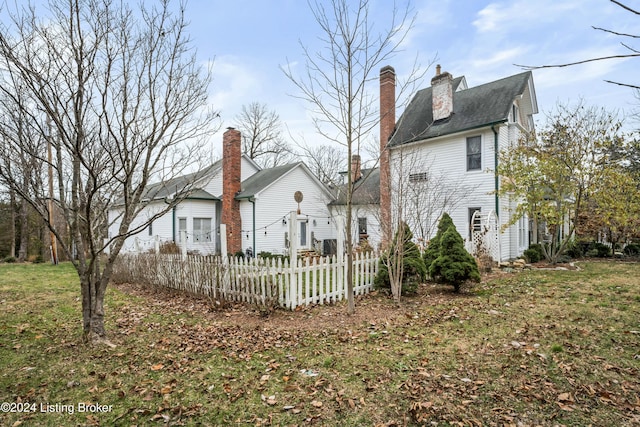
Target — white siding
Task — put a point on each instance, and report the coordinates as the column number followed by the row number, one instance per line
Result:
column 143, row 241
column 449, row 155
column 276, row 202
column 371, row 213
column 190, row 209
column 214, row 186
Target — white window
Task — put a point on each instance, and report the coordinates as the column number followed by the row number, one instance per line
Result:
column 474, row 153
column 515, row 114
column 151, row 228
column 303, row 234
column 182, row 228
column 201, row 229
column 522, row 232
column 362, row 229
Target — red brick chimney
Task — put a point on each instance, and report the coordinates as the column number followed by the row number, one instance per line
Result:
column 356, row 167
column 442, row 93
column 387, row 124
column 231, row 152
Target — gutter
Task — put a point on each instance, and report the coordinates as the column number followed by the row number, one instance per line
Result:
column 252, row 200
column 447, row 134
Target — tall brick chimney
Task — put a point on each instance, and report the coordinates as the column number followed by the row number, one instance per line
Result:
column 442, row 93
column 231, row 182
column 356, row 167
column 387, row 124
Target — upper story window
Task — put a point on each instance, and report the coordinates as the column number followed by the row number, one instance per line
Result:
column 474, row 153
column 515, row 114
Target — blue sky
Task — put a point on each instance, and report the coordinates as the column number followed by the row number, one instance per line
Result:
column 249, row 40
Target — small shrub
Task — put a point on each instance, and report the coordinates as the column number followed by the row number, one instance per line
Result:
column 591, row 253
column 454, row 265
column 239, row 254
column 531, row 255
column 169, row 248
column 414, row 270
column 632, row 249
column 433, row 248
column 602, row 250
column 10, row 259
column 574, row 249
column 534, row 253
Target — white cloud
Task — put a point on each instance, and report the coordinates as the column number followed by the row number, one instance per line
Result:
column 233, row 84
column 506, row 16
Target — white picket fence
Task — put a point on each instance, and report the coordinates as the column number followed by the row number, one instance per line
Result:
column 254, row 280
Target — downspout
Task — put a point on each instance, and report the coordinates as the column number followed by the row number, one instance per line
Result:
column 252, row 200
column 495, row 168
column 173, row 223
column 253, row 205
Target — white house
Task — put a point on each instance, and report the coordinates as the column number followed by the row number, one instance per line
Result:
column 254, row 203
column 365, row 204
column 449, row 129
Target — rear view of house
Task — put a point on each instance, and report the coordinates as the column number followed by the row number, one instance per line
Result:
column 451, row 135
column 254, row 204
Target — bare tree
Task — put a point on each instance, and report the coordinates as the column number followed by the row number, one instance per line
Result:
column 337, row 81
column 631, row 52
column 429, row 196
column 326, row 161
column 126, row 102
column 262, row 138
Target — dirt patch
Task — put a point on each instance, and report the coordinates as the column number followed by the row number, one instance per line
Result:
column 374, row 308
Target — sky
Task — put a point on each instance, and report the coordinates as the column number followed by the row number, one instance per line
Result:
column 250, row 40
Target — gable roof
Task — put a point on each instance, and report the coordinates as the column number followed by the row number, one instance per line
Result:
column 164, row 189
column 262, row 179
column 366, row 190
column 474, row 107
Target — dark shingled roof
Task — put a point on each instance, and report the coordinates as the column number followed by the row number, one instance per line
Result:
column 472, row 108
column 262, row 179
column 366, row 189
column 160, row 190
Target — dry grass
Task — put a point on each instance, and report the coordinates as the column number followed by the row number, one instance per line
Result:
column 532, row 348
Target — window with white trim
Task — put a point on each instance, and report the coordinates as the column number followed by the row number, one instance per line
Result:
column 182, row 228
column 201, row 229
column 474, row 153
column 515, row 114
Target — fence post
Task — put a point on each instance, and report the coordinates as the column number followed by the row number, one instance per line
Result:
column 340, row 257
column 157, row 244
column 225, row 261
column 183, row 248
column 293, row 258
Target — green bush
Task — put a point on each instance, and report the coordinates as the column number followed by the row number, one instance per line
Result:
column 602, row 250
column 433, row 249
column 414, row 270
column 454, row 265
column 632, row 249
column 534, row 253
column 10, row 259
column 574, row 249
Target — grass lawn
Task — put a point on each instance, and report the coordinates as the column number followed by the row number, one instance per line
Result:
column 538, row 347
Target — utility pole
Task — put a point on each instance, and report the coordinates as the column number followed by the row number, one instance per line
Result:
column 53, row 247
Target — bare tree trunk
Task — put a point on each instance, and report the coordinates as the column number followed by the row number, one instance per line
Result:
column 12, row 206
column 24, row 231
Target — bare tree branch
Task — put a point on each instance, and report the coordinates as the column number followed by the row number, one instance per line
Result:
column 625, row 7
